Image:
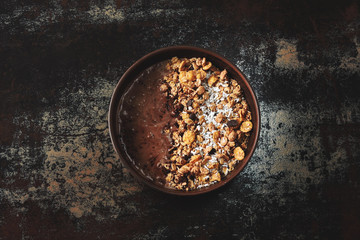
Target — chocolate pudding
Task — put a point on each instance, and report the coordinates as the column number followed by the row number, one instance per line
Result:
column 144, row 114
column 184, row 123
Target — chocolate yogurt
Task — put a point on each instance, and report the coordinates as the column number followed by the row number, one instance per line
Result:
column 144, row 114
column 184, row 123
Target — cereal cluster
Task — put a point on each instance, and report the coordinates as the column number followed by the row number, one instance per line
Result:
column 213, row 123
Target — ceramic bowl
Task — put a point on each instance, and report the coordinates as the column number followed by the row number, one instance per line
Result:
column 161, row 55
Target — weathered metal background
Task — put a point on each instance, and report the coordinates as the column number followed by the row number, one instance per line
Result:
column 60, row 178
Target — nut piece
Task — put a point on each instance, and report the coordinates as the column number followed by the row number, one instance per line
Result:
column 232, row 136
column 223, row 74
column 182, row 77
column 216, row 135
column 246, row 126
column 239, row 153
column 195, row 170
column 232, row 165
column 206, row 96
column 219, row 118
column 223, row 141
column 200, row 90
column 196, row 105
column 212, row 80
column 198, row 82
column 182, row 66
column 213, row 165
column 211, row 127
column 215, row 176
column 201, row 74
column 225, row 170
column 189, row 137
column 184, row 169
column 185, row 116
column 169, row 177
column 195, row 158
column 207, row 66
column 163, row 87
column 190, row 76
column 204, row 171
column 203, row 61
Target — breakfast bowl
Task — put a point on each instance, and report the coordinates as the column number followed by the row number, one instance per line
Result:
column 184, row 120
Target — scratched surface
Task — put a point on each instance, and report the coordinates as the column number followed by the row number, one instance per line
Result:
column 61, row 179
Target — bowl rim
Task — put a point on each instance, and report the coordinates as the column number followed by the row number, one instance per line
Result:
column 112, row 117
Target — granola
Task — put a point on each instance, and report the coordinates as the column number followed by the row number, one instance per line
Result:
column 213, row 123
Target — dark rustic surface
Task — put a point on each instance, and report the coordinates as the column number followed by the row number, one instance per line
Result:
column 60, row 178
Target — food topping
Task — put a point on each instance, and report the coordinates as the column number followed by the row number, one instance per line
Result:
column 213, row 123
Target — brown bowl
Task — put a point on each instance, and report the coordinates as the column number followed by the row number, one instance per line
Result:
column 162, row 55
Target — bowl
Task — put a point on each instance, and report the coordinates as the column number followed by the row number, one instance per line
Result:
column 161, row 55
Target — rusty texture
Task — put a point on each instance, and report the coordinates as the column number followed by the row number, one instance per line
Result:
column 61, row 179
